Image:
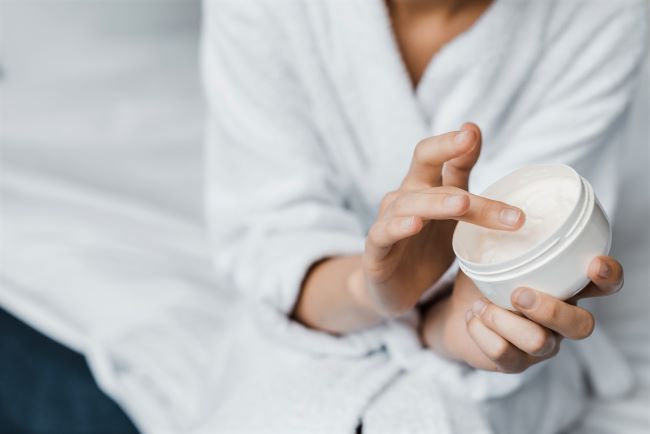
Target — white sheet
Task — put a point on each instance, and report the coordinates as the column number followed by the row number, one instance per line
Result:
column 86, row 110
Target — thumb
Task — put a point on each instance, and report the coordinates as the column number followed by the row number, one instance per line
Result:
column 456, row 171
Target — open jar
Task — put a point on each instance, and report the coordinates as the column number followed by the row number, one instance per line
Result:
column 565, row 229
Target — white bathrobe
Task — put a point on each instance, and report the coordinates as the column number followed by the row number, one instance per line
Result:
column 313, row 119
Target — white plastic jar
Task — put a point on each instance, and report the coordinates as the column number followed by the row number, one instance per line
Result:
column 565, row 229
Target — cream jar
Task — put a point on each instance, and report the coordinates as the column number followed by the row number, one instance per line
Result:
column 565, row 229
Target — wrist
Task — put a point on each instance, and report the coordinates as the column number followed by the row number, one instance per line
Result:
column 358, row 288
column 434, row 325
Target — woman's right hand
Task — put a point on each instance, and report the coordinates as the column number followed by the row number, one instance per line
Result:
column 408, row 248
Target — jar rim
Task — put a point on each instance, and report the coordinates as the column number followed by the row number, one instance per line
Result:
column 554, row 241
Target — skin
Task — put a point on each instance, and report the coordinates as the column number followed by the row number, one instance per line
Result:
column 465, row 326
column 408, row 247
column 422, row 27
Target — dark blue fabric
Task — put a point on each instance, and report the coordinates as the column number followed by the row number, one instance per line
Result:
column 47, row 388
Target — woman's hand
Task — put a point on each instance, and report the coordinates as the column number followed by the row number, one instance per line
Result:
column 468, row 327
column 409, row 246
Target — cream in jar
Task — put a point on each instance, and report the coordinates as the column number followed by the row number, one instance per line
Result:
column 546, row 204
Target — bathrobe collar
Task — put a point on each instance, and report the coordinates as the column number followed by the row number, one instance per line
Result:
column 381, row 88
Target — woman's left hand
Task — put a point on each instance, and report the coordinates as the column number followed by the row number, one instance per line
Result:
column 497, row 339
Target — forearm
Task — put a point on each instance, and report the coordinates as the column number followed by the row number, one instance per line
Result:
column 433, row 326
column 330, row 299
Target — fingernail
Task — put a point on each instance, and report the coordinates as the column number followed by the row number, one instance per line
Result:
column 463, row 137
column 525, row 298
column 509, row 216
column 469, row 315
column 454, row 201
column 407, row 222
column 604, row 270
column 478, row 307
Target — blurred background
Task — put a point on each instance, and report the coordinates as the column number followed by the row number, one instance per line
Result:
column 101, row 121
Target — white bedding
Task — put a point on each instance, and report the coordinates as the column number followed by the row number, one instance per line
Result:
column 101, row 187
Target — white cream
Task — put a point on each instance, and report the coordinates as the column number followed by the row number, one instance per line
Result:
column 546, row 203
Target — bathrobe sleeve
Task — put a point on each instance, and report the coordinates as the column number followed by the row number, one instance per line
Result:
column 275, row 203
column 573, row 110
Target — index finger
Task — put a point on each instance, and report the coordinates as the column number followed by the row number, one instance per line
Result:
column 432, row 153
column 456, row 171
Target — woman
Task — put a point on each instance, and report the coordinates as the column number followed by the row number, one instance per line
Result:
column 319, row 116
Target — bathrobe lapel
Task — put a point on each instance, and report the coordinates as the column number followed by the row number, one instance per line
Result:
column 464, row 70
column 386, row 115
column 376, row 92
